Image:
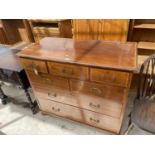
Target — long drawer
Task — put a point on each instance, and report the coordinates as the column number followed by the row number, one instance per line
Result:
column 111, row 93
column 96, row 104
column 78, row 114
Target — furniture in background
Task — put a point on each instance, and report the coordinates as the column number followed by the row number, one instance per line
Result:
column 142, row 31
column 33, row 30
column 15, row 30
column 86, row 81
column 11, row 71
column 3, row 39
column 51, row 28
column 143, row 113
column 100, row 29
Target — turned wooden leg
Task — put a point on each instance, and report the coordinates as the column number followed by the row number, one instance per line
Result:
column 32, row 105
column 3, row 97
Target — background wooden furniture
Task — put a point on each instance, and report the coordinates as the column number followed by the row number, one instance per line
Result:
column 11, row 71
column 3, row 39
column 100, row 29
column 83, row 29
column 16, row 30
column 87, row 81
column 143, row 32
column 51, row 28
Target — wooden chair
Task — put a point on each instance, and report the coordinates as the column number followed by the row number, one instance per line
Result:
column 143, row 113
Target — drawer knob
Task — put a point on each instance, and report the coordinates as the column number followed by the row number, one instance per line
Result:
column 55, row 109
column 31, row 65
column 45, row 78
column 94, row 120
column 52, row 95
column 102, row 77
column 96, row 91
column 93, row 105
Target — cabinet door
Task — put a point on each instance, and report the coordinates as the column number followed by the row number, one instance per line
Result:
column 115, row 30
column 101, row 29
column 81, row 29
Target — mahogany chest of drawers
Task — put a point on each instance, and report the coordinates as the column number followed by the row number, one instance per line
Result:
column 86, row 81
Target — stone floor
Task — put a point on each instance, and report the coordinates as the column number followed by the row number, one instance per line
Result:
column 17, row 120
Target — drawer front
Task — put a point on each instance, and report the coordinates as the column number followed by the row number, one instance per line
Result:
column 67, row 70
column 60, row 109
column 81, row 115
column 45, row 81
column 56, row 94
column 96, row 104
column 36, row 66
column 110, row 93
column 108, row 76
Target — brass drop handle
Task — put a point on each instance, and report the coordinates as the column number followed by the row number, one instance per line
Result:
column 102, row 77
column 113, row 78
column 45, row 78
column 93, row 105
column 67, row 71
column 96, row 90
column 36, row 68
column 55, row 109
column 52, row 95
column 94, row 120
column 31, row 65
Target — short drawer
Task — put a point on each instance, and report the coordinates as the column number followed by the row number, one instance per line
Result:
column 68, row 70
column 108, row 76
column 111, row 93
column 60, row 109
column 36, row 66
column 85, row 116
column 59, row 95
column 46, row 81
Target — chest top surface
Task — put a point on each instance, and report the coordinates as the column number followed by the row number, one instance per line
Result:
column 9, row 60
column 106, row 54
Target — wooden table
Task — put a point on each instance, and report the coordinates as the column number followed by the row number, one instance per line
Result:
column 11, row 70
column 86, row 81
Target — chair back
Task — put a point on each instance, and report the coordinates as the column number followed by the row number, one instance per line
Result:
column 146, row 82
